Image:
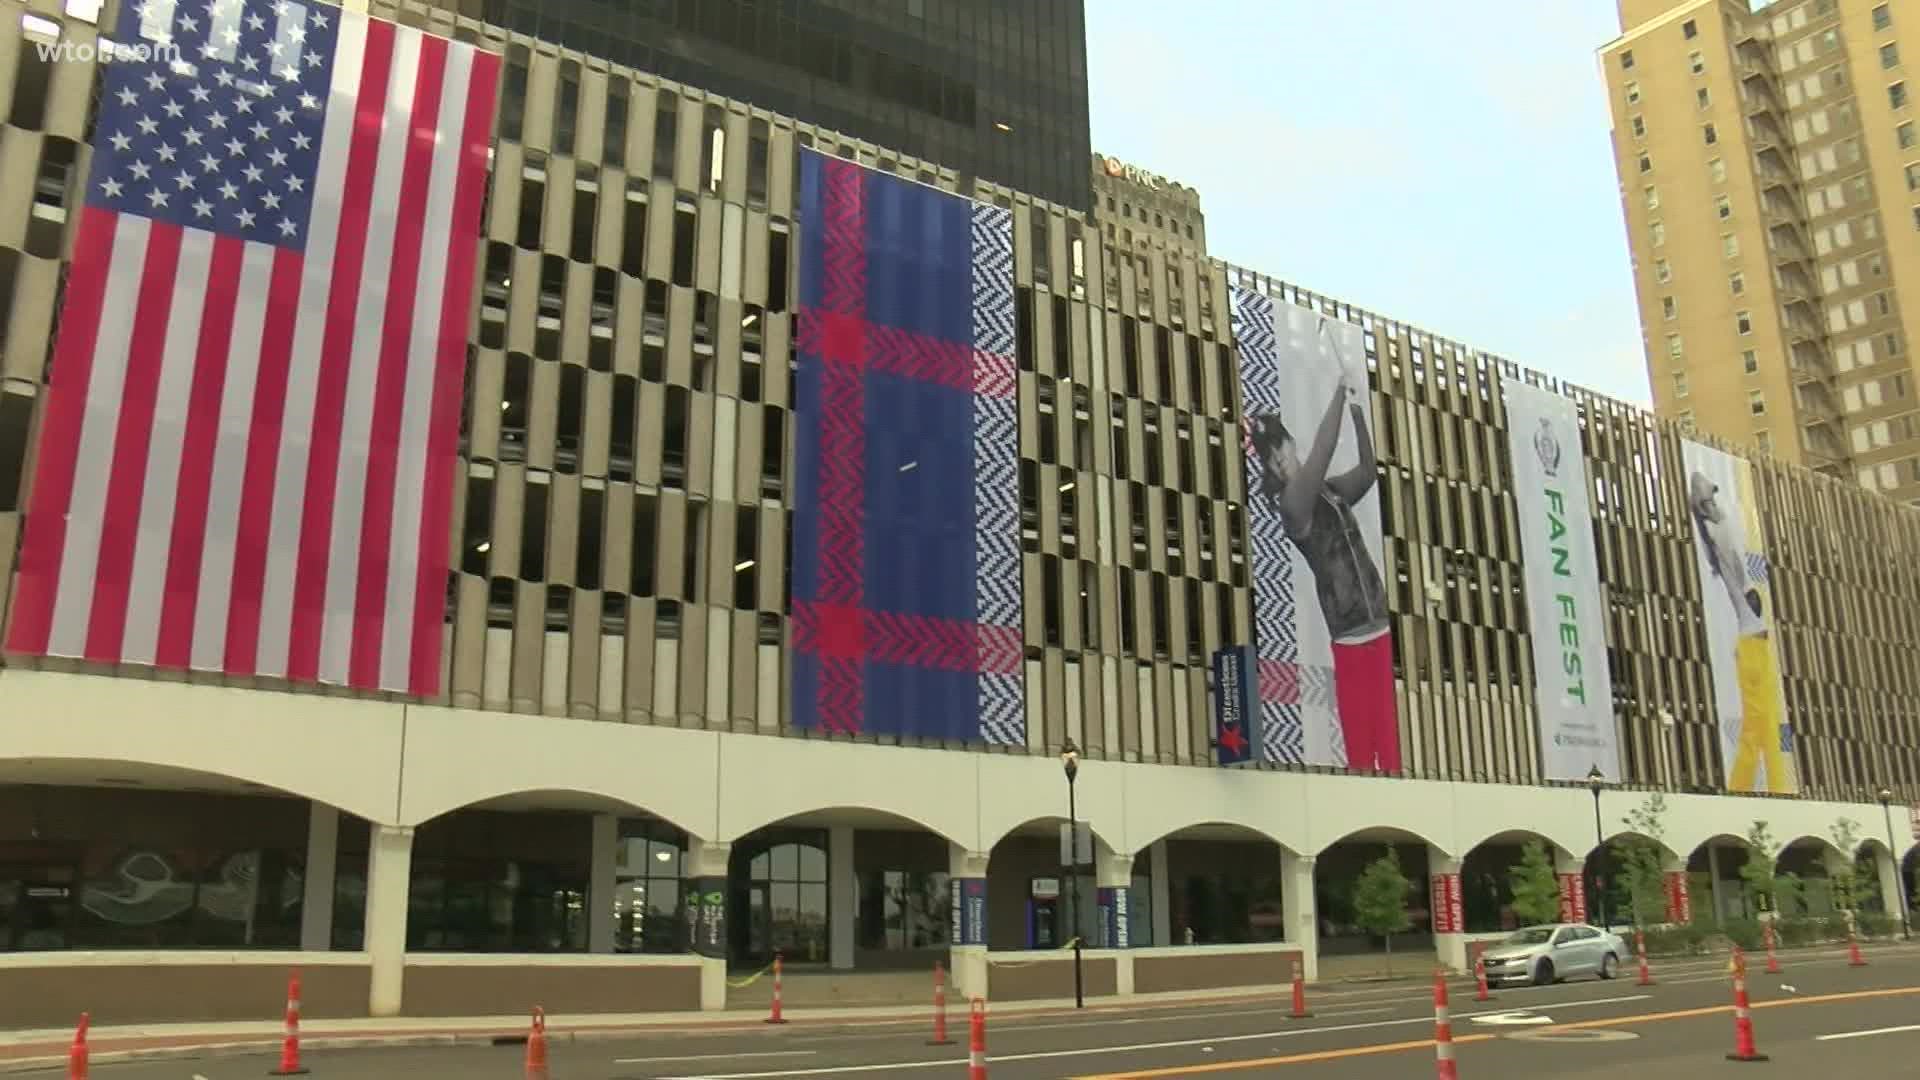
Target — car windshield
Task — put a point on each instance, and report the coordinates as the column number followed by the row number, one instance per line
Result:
column 1532, row 935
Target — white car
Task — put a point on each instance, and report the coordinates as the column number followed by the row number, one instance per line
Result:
column 1543, row 955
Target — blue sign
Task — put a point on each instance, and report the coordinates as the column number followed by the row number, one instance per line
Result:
column 967, row 921
column 1115, row 919
column 1236, row 716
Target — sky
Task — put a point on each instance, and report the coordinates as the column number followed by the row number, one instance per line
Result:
column 1446, row 165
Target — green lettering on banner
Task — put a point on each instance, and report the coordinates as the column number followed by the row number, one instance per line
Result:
column 1570, row 662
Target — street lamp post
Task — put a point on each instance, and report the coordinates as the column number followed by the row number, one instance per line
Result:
column 1070, row 760
column 1899, row 871
column 1595, row 781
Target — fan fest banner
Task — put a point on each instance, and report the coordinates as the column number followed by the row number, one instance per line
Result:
column 1756, row 742
column 1321, row 632
column 1572, row 688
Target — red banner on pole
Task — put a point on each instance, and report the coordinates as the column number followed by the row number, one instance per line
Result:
column 1573, row 898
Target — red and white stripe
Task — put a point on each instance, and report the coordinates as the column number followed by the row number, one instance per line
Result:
column 252, row 472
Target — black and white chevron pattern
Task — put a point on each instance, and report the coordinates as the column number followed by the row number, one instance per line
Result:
column 992, row 228
column 996, row 484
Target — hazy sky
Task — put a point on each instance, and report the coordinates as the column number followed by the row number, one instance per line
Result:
column 1443, row 164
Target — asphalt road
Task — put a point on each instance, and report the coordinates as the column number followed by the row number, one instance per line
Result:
column 1819, row 1015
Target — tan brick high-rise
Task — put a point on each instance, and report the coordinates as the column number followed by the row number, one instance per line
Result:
column 1770, row 173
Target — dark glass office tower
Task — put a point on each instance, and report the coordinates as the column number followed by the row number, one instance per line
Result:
column 994, row 88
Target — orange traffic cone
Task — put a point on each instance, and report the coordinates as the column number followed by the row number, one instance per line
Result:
column 1299, row 994
column 1480, row 979
column 537, row 1046
column 1640, row 947
column 1773, row 960
column 977, row 1041
column 1854, row 959
column 77, row 1056
column 1444, row 1064
column 290, row 1044
column 939, row 1007
column 1743, row 1048
column 775, row 1017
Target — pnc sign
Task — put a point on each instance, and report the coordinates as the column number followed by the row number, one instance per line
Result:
column 1113, row 166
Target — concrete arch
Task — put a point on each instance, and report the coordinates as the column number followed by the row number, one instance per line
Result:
column 1221, row 830
column 1824, row 846
column 1669, row 858
column 549, row 798
column 341, row 752
column 1382, row 834
column 1558, row 844
column 855, row 814
column 1048, row 826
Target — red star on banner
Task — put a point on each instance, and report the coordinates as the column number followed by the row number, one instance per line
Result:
column 1232, row 740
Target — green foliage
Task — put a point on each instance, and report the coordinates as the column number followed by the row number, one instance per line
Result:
column 1536, row 888
column 1641, row 857
column 1380, row 897
column 1875, row 924
column 1756, row 874
column 1851, row 886
column 1790, row 895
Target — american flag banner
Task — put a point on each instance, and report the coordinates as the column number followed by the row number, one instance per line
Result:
column 906, row 543
column 246, row 458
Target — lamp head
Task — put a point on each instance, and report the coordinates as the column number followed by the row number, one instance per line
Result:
column 1070, row 759
column 1886, row 796
column 1596, row 780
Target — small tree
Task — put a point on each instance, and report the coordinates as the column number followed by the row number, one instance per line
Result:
column 1756, row 874
column 1642, row 858
column 1850, row 886
column 1380, row 900
column 1536, row 888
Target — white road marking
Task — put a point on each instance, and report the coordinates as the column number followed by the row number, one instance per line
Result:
column 1041, row 1055
column 1512, row 1018
column 1864, row 1034
column 714, row 1057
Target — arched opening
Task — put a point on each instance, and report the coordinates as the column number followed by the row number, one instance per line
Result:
column 1715, row 882
column 840, row 887
column 1037, row 900
column 114, row 855
column 1487, row 880
column 1347, row 945
column 1803, row 882
column 519, row 873
column 1214, row 884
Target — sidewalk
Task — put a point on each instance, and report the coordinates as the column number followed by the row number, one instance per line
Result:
column 46, row 1049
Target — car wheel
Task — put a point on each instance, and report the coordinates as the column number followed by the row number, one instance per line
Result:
column 1543, row 975
column 1609, row 966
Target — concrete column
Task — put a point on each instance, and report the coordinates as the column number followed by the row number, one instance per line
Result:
column 843, row 892
column 316, row 905
column 967, row 921
column 603, row 860
column 1302, row 915
column 707, row 870
column 1443, row 890
column 389, row 876
column 1719, row 889
column 1162, row 901
column 1891, row 892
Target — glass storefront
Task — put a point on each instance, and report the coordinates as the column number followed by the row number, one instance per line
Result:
column 485, row 881
column 649, row 889
column 903, row 910
column 778, row 897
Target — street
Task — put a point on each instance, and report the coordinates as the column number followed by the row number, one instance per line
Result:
column 1818, row 1014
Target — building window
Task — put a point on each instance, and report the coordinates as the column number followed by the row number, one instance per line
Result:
column 1913, row 177
column 1689, row 30
column 1890, row 55
column 1750, row 362
column 1685, row 420
column 1696, row 63
column 1730, row 245
column 1668, row 307
column 785, row 889
column 1916, row 217
column 1702, row 98
column 1897, row 95
column 1743, row 322
column 1633, row 93
column 1674, row 348
column 1662, row 271
column 1904, row 134
column 1717, row 170
column 1710, row 134
column 1679, row 384
column 1646, row 163
column 1737, row 283
column 1639, row 125
column 1653, row 197
column 1763, row 442
column 1723, row 206
column 1626, row 60
column 648, row 867
column 1882, row 17
column 1756, row 403
column 903, row 910
column 1659, row 230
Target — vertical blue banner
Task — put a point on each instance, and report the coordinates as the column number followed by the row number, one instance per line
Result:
column 968, row 917
column 1236, row 737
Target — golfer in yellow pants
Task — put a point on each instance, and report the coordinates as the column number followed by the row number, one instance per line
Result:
column 1760, row 720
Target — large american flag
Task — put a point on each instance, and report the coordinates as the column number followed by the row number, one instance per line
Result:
column 246, row 459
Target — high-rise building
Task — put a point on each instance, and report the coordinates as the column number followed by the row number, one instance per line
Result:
column 1770, row 174
column 1137, row 209
column 991, row 88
